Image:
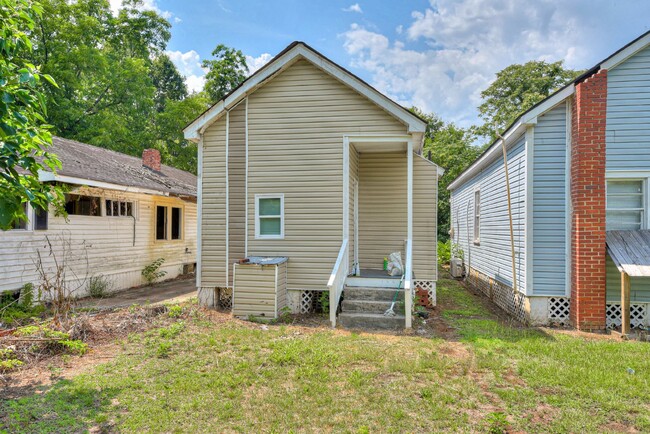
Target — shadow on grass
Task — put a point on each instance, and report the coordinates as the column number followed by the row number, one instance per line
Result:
column 67, row 407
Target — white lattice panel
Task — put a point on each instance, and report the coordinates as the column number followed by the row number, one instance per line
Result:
column 638, row 315
column 559, row 309
column 225, row 298
column 427, row 285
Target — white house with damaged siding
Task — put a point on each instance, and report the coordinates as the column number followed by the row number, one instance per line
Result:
column 308, row 179
column 123, row 213
column 579, row 172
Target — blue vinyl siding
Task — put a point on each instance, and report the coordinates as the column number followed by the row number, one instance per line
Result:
column 628, row 143
column 492, row 256
column 628, row 114
column 549, row 203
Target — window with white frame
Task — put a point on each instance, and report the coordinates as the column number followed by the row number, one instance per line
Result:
column 119, row 208
column 625, row 204
column 477, row 216
column 269, row 216
column 37, row 219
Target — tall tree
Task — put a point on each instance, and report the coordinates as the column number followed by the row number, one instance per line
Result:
column 225, row 72
column 24, row 134
column 516, row 89
column 168, row 82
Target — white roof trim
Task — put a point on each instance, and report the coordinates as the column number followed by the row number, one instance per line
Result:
column 45, row 176
column 193, row 131
column 514, row 132
column 626, row 53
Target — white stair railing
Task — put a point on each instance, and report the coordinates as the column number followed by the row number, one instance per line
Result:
column 408, row 283
column 337, row 280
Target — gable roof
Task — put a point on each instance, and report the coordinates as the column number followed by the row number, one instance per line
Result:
column 529, row 117
column 282, row 61
column 98, row 167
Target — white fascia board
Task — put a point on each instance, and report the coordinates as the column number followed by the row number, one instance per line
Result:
column 626, row 53
column 45, row 176
column 192, row 131
column 527, row 119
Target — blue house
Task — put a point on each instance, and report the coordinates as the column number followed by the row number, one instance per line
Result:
column 578, row 166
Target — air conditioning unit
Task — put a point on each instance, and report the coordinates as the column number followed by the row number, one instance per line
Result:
column 456, row 269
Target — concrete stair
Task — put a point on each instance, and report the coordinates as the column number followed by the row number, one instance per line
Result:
column 363, row 307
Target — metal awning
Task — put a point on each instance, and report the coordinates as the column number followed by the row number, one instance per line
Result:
column 630, row 251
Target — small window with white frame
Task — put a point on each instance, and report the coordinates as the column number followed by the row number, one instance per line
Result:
column 625, row 204
column 119, row 208
column 477, row 217
column 269, row 216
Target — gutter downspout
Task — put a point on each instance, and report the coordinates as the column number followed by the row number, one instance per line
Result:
column 512, row 236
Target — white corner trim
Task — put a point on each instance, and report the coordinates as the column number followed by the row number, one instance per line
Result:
column 246, row 181
column 199, row 213
column 45, row 176
column 346, row 188
column 227, row 201
column 193, row 130
column 626, row 53
column 280, row 196
column 567, row 201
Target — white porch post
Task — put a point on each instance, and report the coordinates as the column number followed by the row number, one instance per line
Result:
column 409, row 231
column 346, row 187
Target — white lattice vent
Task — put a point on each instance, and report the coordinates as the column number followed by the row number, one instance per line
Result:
column 427, row 285
column 311, row 301
column 559, row 309
column 225, row 298
column 638, row 315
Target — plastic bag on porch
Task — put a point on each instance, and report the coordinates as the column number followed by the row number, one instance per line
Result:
column 395, row 265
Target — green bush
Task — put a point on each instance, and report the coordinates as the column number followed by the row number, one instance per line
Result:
column 444, row 252
column 16, row 311
column 59, row 341
column 152, row 272
column 99, row 286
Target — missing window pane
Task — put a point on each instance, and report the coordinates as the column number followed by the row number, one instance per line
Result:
column 76, row 204
column 176, row 223
column 161, row 223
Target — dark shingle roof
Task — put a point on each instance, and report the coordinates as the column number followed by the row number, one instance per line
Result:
column 84, row 161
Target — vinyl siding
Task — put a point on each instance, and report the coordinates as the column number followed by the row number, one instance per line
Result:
column 628, row 114
column 425, row 208
column 99, row 245
column 549, row 203
column 296, row 126
column 236, row 185
column 282, row 287
column 492, row 257
column 354, row 178
column 254, row 292
column 213, row 224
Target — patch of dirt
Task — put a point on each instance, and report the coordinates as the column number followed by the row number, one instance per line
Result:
column 618, row 427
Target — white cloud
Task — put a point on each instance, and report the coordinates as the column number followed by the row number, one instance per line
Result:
column 452, row 50
column 353, row 8
column 255, row 63
column 147, row 5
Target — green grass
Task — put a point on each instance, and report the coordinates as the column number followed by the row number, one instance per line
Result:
column 196, row 376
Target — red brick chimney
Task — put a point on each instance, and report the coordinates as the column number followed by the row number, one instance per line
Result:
column 588, row 221
column 151, row 159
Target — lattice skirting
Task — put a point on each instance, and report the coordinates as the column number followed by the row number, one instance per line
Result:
column 639, row 315
column 558, row 310
column 429, row 286
column 224, row 298
column 502, row 295
column 311, row 301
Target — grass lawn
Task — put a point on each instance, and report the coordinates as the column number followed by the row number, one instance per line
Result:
column 193, row 374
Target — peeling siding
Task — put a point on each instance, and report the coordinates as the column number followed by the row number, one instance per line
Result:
column 492, row 257
column 100, row 245
column 296, row 126
column 213, row 224
column 549, row 203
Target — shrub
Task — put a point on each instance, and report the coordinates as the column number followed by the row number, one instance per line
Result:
column 99, row 286
column 57, row 341
column 8, row 360
column 444, row 252
column 152, row 272
column 175, row 311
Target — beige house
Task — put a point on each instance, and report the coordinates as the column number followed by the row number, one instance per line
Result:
column 307, row 162
column 123, row 213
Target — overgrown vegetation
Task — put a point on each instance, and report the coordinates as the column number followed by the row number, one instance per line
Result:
column 19, row 310
column 489, row 375
column 99, row 286
column 152, row 272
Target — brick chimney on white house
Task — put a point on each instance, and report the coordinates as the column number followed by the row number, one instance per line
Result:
column 151, row 159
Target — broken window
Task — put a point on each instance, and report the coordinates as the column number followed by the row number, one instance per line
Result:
column 161, row 222
column 119, row 208
column 176, row 223
column 76, row 204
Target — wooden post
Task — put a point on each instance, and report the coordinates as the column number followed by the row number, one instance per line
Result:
column 625, row 304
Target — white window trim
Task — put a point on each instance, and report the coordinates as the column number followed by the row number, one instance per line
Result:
column 644, row 177
column 29, row 224
column 477, row 227
column 134, row 205
column 258, row 236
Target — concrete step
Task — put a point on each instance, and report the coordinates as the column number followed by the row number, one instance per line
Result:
column 364, row 320
column 371, row 294
column 369, row 306
column 374, row 282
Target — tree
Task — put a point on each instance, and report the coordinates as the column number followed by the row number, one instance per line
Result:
column 168, row 82
column 516, row 89
column 226, row 71
column 24, row 134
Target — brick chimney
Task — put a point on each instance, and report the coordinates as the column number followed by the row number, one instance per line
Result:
column 151, row 159
column 588, row 219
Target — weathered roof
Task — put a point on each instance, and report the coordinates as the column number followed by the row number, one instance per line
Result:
column 91, row 163
column 630, row 251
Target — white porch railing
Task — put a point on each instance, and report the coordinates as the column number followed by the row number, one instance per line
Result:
column 337, row 280
column 408, row 283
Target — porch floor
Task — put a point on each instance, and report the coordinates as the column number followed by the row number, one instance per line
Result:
column 376, row 274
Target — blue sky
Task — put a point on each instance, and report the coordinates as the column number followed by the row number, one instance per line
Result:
column 438, row 54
